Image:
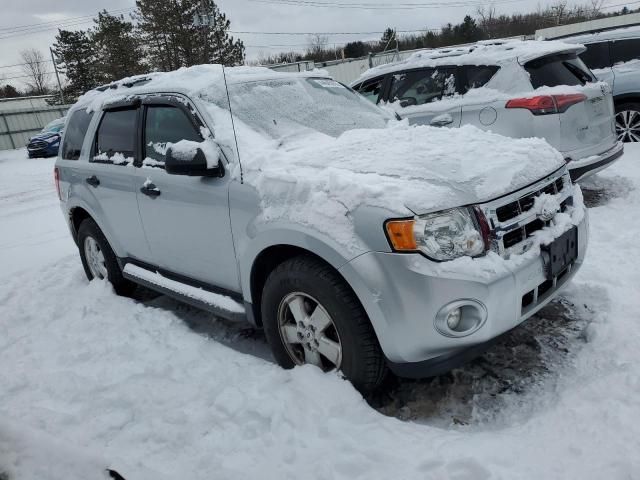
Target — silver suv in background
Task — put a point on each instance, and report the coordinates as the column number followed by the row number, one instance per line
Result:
column 513, row 88
column 356, row 241
column 614, row 57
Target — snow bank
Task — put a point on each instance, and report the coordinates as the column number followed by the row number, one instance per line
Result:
column 134, row 383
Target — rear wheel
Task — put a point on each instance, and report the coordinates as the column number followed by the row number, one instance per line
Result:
column 628, row 122
column 98, row 258
column 310, row 315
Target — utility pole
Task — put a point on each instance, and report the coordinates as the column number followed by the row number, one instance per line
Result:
column 55, row 69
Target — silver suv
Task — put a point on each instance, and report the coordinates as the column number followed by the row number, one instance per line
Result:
column 356, row 241
column 614, row 57
column 514, row 88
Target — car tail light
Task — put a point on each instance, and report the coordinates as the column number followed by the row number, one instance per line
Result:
column 547, row 104
column 56, row 177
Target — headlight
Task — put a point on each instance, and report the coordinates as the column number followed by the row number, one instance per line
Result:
column 440, row 236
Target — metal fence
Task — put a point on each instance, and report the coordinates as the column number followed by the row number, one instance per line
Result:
column 18, row 125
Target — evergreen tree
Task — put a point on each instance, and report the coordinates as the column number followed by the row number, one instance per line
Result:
column 355, row 49
column 78, row 59
column 388, row 39
column 9, row 91
column 117, row 45
column 186, row 32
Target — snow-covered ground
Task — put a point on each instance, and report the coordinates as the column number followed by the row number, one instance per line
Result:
column 155, row 389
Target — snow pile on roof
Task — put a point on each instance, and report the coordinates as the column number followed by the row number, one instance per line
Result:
column 609, row 34
column 187, row 80
column 481, row 53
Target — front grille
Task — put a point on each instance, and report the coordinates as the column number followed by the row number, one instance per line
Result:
column 37, row 145
column 524, row 204
column 511, row 218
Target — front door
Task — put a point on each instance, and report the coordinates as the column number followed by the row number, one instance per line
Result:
column 423, row 96
column 186, row 219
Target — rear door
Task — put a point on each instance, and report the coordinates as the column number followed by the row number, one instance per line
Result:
column 586, row 127
column 422, row 96
column 186, row 220
column 109, row 177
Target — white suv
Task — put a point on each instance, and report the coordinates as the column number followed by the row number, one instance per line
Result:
column 614, row 57
column 514, row 88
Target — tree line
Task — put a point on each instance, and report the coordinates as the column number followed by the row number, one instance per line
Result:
column 485, row 25
column 158, row 36
column 166, row 35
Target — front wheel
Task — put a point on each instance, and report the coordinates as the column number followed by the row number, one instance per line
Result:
column 628, row 122
column 98, row 258
column 310, row 315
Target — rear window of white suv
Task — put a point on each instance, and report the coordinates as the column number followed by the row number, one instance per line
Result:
column 555, row 70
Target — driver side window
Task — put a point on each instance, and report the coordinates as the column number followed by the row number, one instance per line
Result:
column 165, row 124
column 422, row 86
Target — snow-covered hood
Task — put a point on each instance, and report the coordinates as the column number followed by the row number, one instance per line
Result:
column 45, row 136
column 418, row 168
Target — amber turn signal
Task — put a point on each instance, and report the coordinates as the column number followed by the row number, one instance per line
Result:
column 401, row 235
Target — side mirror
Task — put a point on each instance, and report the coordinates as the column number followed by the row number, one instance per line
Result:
column 191, row 161
column 408, row 101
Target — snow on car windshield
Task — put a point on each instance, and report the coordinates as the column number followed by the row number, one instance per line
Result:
column 283, row 108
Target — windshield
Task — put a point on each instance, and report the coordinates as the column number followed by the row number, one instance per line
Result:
column 292, row 107
column 53, row 127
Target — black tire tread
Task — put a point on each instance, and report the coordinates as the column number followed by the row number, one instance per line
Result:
column 374, row 366
column 121, row 285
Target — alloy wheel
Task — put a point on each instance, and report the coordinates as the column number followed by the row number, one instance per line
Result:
column 95, row 258
column 308, row 332
column 628, row 126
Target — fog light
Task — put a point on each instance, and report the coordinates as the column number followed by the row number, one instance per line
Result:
column 460, row 318
column 453, row 318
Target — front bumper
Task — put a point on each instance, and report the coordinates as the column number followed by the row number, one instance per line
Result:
column 403, row 293
column 585, row 167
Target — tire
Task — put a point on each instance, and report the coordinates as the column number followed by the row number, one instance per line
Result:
column 312, row 284
column 628, row 122
column 90, row 232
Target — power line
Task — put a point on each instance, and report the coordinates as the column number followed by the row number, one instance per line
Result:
column 381, row 6
column 38, row 28
column 26, row 63
column 23, row 76
column 64, row 20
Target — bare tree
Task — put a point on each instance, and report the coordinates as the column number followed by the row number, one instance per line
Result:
column 596, row 7
column 317, row 45
column 35, row 68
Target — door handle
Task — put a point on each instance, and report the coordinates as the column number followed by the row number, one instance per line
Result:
column 442, row 120
column 150, row 190
column 93, row 181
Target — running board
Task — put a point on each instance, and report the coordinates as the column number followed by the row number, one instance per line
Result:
column 220, row 305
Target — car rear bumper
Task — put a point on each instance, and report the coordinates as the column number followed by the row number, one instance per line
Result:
column 584, row 167
column 404, row 294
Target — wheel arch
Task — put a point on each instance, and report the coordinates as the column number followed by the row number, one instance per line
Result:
column 267, row 260
column 626, row 98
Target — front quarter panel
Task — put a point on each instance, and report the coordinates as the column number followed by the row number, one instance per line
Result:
column 252, row 235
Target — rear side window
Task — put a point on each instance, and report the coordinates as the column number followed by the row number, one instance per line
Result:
column 166, row 124
column 371, row 89
column 117, row 134
column 597, row 55
column 625, row 50
column 556, row 70
column 418, row 87
column 478, row 76
column 74, row 136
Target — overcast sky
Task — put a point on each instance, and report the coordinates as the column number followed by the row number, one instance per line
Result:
column 18, row 17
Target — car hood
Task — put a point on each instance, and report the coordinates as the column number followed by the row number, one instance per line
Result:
column 405, row 169
column 45, row 136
